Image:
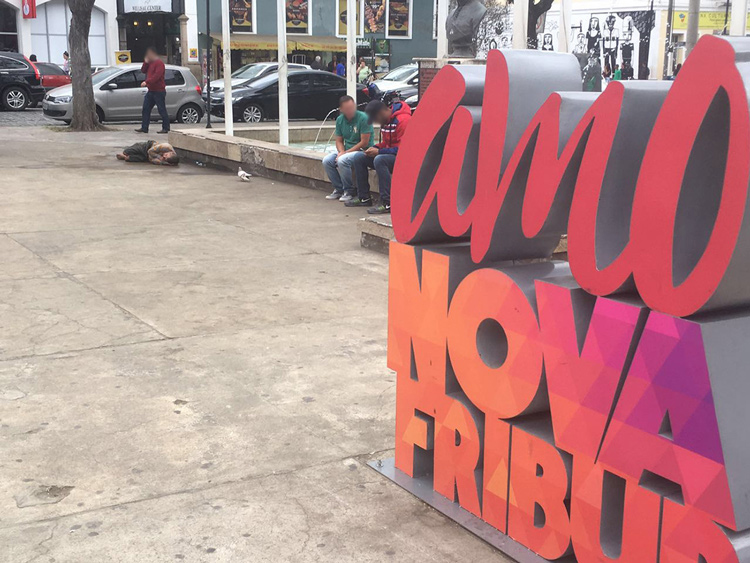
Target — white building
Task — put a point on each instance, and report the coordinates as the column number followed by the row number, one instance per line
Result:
column 46, row 36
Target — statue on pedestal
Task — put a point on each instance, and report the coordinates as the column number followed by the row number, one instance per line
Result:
column 462, row 26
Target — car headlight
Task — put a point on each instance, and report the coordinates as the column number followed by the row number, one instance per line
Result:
column 63, row 99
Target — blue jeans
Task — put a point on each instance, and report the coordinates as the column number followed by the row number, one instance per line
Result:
column 158, row 99
column 340, row 172
column 383, row 165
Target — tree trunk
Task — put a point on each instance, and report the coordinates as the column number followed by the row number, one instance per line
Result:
column 84, row 107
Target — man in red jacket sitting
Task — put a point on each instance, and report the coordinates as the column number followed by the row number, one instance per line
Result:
column 153, row 68
column 382, row 157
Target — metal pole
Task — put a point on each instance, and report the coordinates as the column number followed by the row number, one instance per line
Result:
column 738, row 24
column 668, row 40
column 209, row 46
column 283, row 74
column 442, row 32
column 351, row 48
column 226, row 49
column 725, row 31
column 520, row 24
column 566, row 19
column 694, row 14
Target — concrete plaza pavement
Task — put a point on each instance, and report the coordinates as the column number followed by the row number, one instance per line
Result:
column 192, row 369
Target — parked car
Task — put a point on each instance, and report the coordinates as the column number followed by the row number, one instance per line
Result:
column 119, row 95
column 53, row 76
column 244, row 75
column 20, row 82
column 312, row 94
column 399, row 78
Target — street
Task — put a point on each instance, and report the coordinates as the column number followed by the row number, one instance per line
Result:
column 192, row 368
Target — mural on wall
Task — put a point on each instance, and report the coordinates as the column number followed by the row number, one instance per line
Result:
column 594, row 409
column 242, row 15
column 297, row 16
column 374, row 16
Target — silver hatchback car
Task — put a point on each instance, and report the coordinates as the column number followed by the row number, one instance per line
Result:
column 119, row 95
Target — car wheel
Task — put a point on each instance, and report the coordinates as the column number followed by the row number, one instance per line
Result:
column 252, row 114
column 189, row 113
column 100, row 114
column 15, row 99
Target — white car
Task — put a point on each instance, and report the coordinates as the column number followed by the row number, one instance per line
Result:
column 246, row 74
column 398, row 79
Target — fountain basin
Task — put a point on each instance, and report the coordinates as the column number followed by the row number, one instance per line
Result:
column 256, row 149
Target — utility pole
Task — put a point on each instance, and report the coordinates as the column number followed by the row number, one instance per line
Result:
column 283, row 74
column 227, row 62
column 668, row 40
column 694, row 14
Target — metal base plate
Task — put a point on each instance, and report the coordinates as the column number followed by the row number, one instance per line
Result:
column 421, row 487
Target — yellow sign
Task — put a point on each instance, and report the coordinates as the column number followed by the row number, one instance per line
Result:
column 706, row 20
column 341, row 19
column 122, row 57
column 193, row 53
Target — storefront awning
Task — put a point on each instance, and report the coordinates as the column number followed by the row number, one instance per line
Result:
column 243, row 42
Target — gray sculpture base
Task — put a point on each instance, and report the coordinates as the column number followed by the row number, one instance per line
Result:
column 421, row 487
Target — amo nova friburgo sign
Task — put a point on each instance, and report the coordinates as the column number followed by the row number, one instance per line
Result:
column 595, row 410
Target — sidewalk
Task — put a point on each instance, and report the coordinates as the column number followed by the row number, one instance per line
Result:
column 192, row 369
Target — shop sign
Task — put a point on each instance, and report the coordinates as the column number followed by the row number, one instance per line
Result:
column 143, row 6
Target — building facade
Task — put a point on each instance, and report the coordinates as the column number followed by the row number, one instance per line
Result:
column 46, row 35
column 389, row 32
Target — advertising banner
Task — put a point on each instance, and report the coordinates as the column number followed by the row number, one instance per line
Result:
column 399, row 18
column 29, row 9
column 242, row 14
column 375, row 16
column 341, row 18
column 298, row 16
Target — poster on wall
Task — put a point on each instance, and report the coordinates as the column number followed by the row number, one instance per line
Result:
column 297, row 16
column 399, row 18
column 341, row 16
column 374, row 16
column 242, row 16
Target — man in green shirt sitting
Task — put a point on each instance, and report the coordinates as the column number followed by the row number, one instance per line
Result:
column 353, row 135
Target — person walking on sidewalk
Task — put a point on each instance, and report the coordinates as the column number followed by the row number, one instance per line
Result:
column 382, row 156
column 153, row 68
column 353, row 134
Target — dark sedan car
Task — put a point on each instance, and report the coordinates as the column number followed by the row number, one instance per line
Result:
column 312, row 94
column 20, row 82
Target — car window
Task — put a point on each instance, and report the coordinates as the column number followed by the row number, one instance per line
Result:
column 49, row 69
column 6, row 63
column 401, row 73
column 128, row 80
column 298, row 82
column 328, row 81
column 104, row 75
column 173, row 77
column 249, row 71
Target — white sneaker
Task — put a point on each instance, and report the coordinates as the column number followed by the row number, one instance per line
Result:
column 346, row 197
column 335, row 194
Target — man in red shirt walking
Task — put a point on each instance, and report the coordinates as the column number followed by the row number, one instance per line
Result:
column 153, row 68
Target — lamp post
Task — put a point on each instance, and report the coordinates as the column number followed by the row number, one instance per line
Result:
column 668, row 40
column 738, row 23
column 442, row 33
column 283, row 74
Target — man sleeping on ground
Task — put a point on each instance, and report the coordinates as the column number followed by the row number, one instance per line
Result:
column 150, row 151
